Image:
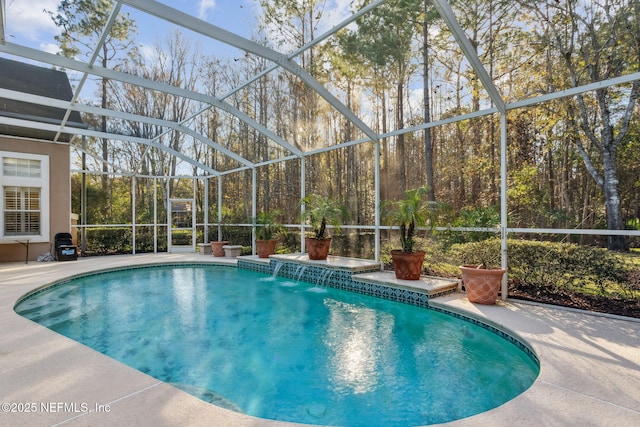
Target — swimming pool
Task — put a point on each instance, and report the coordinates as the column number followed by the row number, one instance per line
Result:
column 287, row 350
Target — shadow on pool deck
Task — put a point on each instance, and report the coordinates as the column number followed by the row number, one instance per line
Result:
column 589, row 374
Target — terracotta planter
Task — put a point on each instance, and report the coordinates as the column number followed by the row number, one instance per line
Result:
column 216, row 248
column 407, row 265
column 265, row 248
column 482, row 285
column 317, row 249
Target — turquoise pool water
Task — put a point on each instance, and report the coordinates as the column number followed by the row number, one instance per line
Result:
column 287, row 350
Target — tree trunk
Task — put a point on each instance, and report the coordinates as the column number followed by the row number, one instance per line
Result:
column 105, row 142
column 428, row 146
column 590, row 48
column 400, row 140
column 612, row 201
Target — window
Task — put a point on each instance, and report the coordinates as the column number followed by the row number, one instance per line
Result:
column 21, row 211
column 21, row 167
column 24, row 197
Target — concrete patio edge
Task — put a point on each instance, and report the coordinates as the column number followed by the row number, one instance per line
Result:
column 589, row 376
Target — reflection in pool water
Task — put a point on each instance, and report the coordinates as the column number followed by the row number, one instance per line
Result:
column 288, row 350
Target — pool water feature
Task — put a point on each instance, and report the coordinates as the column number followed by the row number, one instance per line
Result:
column 271, row 347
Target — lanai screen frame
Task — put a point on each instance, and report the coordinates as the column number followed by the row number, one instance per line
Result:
column 285, row 61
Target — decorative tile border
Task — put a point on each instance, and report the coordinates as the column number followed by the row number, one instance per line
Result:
column 498, row 331
column 68, row 279
column 342, row 279
column 260, row 267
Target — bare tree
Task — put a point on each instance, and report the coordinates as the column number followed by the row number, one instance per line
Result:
column 598, row 41
column 82, row 23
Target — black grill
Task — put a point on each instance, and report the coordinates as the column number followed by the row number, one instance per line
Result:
column 65, row 250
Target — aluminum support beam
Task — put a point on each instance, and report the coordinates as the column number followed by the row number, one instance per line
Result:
column 503, row 205
column 443, row 8
column 184, row 20
column 133, row 214
column 254, row 213
column 90, row 109
column 205, row 183
column 3, row 21
column 297, row 52
column 309, row 45
column 96, row 134
column 86, row 152
column 376, row 185
column 219, row 208
column 103, row 38
column 303, row 192
column 82, row 67
column 614, row 81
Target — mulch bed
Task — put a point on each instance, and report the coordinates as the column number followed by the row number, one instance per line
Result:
column 601, row 304
column 552, row 296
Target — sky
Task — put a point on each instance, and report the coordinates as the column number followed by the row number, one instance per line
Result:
column 28, row 23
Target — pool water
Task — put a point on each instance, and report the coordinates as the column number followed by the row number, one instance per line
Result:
column 286, row 350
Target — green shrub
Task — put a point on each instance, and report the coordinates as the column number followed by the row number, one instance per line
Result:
column 144, row 241
column 539, row 263
column 109, row 240
column 485, row 252
column 568, row 266
column 480, row 217
column 562, row 266
column 631, row 289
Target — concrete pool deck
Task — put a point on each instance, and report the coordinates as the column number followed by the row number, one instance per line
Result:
column 589, row 365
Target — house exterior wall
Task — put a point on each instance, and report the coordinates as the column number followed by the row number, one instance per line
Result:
column 59, row 209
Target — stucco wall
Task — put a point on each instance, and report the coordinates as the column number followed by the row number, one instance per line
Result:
column 60, row 195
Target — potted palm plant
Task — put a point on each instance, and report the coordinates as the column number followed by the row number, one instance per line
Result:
column 409, row 213
column 320, row 211
column 266, row 231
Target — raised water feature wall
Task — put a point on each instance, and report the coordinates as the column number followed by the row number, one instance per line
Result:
column 361, row 276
